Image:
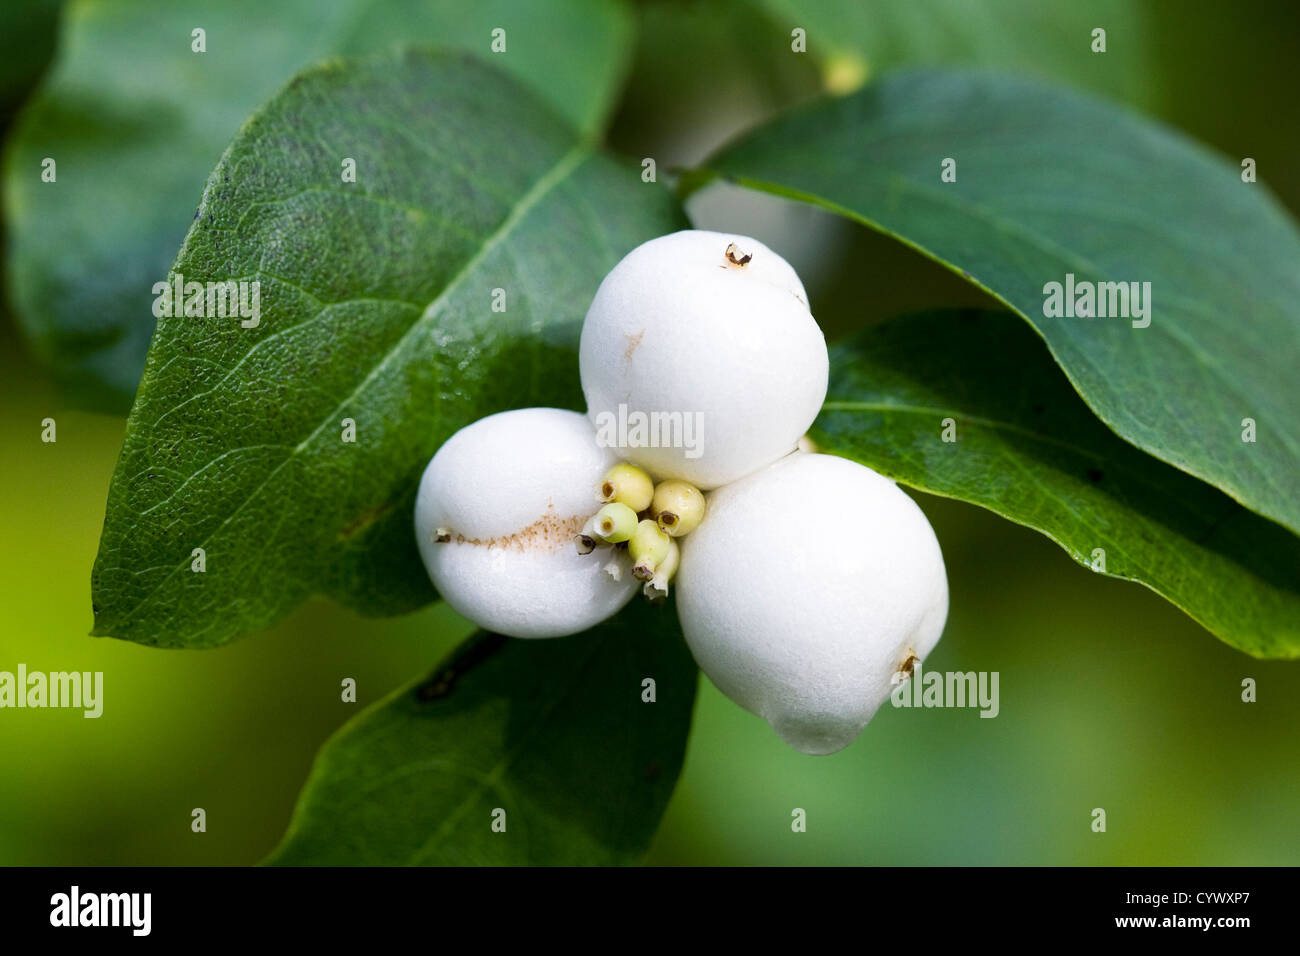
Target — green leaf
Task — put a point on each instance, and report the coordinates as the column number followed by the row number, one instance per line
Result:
column 135, row 120
column 554, row 732
column 1048, row 184
column 376, row 306
column 1028, row 449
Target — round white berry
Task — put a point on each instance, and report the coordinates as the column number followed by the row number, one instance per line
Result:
column 702, row 329
column 808, row 586
column 497, row 512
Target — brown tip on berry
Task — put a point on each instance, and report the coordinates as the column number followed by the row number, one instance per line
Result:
column 736, row 257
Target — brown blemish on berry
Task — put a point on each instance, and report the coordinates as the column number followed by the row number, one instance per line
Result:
column 548, row 533
column 908, row 665
column 736, row 257
column 633, row 343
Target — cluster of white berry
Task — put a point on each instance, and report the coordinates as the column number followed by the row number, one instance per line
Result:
column 807, row 585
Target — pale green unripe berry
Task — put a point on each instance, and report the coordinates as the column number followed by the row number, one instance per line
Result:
column 498, row 508
column 648, row 546
column 615, row 522
column 656, row 589
column 678, row 506
column 714, row 329
column 628, row 485
column 812, row 583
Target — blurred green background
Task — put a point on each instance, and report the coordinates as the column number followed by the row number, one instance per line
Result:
column 1109, row 696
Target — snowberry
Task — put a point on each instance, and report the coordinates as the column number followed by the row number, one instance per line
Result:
column 628, row 485
column 656, row 589
column 614, row 523
column 678, row 507
column 649, row 547
column 496, row 516
column 806, row 589
column 710, row 328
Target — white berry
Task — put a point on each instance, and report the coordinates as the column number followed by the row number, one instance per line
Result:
column 709, row 325
column 808, row 586
column 496, row 516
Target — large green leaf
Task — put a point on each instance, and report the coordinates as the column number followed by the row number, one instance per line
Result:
column 1027, row 448
column 1050, row 183
column 557, row 734
column 135, row 120
column 377, row 306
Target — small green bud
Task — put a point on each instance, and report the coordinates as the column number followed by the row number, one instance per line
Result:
column 656, row 589
column 615, row 522
column 628, row 485
column 649, row 546
column 678, row 506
